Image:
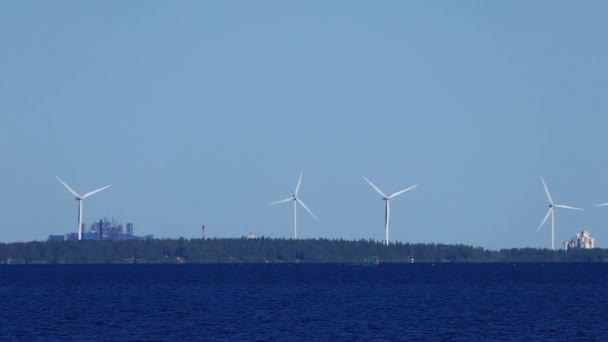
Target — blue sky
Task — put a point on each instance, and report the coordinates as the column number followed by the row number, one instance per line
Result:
column 204, row 112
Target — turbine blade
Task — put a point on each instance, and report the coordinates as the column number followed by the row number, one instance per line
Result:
column 601, row 205
column 566, row 207
column 282, row 201
column 402, row 191
column 547, row 190
column 68, row 187
column 299, row 182
column 95, row 191
column 375, row 188
column 305, row 207
column 545, row 219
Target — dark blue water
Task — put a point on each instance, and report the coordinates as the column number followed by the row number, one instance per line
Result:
column 304, row 302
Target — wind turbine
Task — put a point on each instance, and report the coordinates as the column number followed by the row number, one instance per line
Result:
column 551, row 213
column 387, row 208
column 80, row 199
column 295, row 199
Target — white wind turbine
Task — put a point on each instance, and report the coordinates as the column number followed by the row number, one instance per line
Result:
column 551, row 213
column 295, row 199
column 387, row 208
column 80, row 199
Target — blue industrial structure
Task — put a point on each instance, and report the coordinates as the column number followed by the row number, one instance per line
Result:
column 105, row 229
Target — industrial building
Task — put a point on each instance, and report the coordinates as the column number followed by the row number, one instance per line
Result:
column 582, row 240
column 104, row 229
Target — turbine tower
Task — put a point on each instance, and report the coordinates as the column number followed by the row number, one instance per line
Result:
column 295, row 199
column 80, row 199
column 551, row 213
column 387, row 208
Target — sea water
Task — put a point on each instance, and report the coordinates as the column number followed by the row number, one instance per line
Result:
column 310, row 302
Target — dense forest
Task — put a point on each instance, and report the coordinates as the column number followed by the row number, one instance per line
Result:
column 263, row 250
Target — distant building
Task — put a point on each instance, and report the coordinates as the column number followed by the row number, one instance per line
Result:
column 56, row 238
column 98, row 230
column 90, row 236
column 203, row 233
column 582, row 240
column 104, row 229
column 70, row 237
column 107, row 230
column 251, row 236
column 129, row 229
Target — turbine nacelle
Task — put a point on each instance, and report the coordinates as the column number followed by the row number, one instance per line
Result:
column 296, row 199
column 80, row 200
column 386, row 200
column 551, row 213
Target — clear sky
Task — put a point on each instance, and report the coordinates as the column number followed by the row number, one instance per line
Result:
column 204, row 112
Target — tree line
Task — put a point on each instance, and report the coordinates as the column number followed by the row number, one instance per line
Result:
column 270, row 250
